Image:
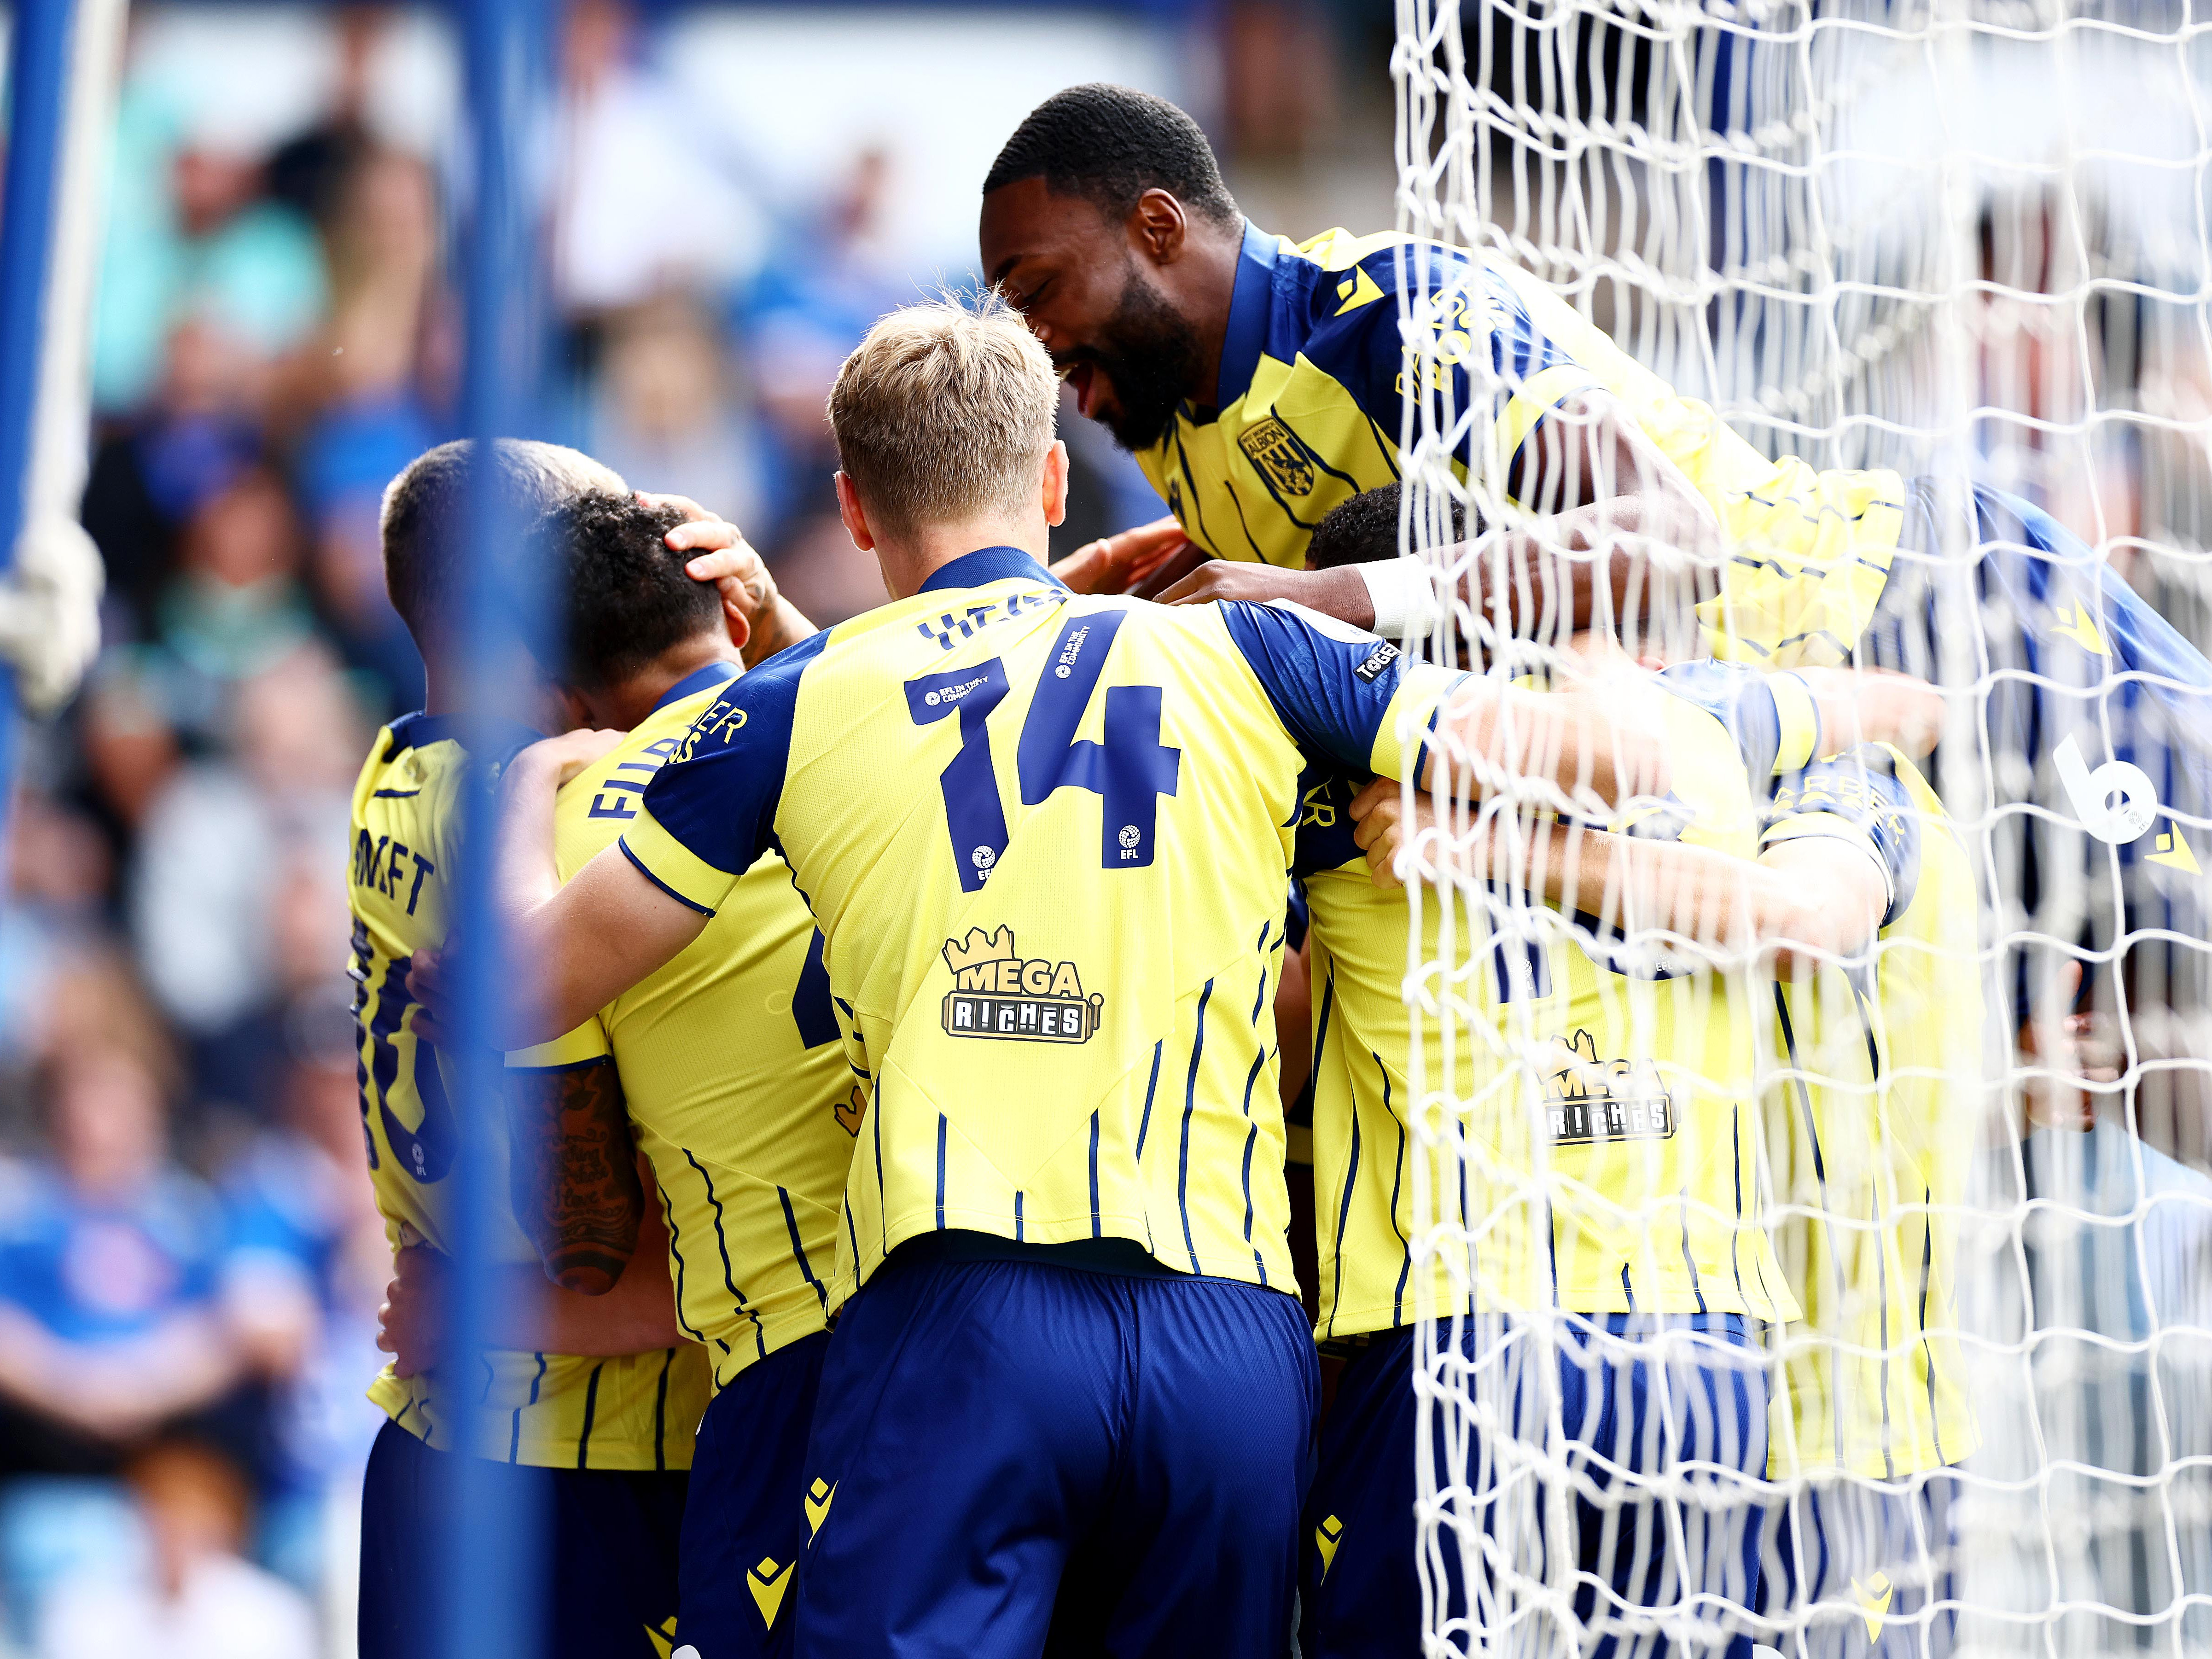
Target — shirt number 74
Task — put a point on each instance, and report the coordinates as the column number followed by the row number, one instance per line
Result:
column 1128, row 771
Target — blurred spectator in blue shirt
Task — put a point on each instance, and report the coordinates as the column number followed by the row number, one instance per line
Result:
column 109, row 1324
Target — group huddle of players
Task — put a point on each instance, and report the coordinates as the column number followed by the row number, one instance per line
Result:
column 902, row 1242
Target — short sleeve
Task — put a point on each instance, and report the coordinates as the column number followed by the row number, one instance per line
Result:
column 708, row 813
column 586, row 1045
column 1358, row 341
column 1741, row 699
column 1856, row 797
column 1347, row 698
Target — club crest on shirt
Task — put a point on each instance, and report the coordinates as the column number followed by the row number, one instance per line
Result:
column 996, row 993
column 1275, row 452
column 1587, row 1099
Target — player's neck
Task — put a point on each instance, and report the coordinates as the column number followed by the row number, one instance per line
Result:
column 910, row 560
column 1207, row 282
column 621, row 707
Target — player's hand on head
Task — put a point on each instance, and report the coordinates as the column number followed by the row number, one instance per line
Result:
column 1114, row 564
column 412, row 1316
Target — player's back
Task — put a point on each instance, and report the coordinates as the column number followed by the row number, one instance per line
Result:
column 1639, row 1146
column 1047, row 838
column 1874, row 1116
column 732, row 1068
column 552, row 1410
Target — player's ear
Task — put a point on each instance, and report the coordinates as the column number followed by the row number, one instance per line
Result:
column 1157, row 226
column 855, row 515
column 1056, row 481
column 733, row 619
column 574, row 710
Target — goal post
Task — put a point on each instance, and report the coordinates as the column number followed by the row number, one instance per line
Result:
column 1954, row 257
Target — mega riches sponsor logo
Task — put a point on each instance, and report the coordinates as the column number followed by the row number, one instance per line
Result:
column 997, row 992
column 1587, row 1099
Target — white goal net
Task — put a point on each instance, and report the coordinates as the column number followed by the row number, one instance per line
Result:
column 1964, row 248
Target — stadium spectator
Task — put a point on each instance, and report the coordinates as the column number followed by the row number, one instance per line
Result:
column 108, row 1321
column 665, row 419
column 219, row 839
column 192, row 1596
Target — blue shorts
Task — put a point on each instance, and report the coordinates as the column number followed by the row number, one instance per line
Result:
column 608, row 1578
column 1010, row 1451
column 746, row 1522
column 1862, row 1568
column 1636, row 1397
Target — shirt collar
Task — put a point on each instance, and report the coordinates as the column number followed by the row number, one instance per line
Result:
column 1248, row 305
column 697, row 681
column 990, row 564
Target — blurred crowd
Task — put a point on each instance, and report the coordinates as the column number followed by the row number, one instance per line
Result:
column 190, row 1263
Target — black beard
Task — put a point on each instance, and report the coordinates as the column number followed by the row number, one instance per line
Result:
column 1150, row 352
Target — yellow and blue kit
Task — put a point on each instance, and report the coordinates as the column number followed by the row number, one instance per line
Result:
column 739, row 1093
column 1631, row 1190
column 1046, row 839
column 1313, row 392
column 615, row 1431
column 1874, row 1110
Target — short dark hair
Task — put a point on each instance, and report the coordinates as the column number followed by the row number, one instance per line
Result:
column 630, row 600
column 1365, row 530
column 1110, row 145
column 422, row 517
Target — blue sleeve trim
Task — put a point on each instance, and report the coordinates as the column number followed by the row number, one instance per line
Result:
column 719, row 796
column 1861, row 788
column 687, row 903
column 1331, row 685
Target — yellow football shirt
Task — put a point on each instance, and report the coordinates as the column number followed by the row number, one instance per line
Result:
column 1873, row 1112
column 732, row 1062
column 1603, row 1080
column 1311, row 401
column 555, row 1411
column 1046, row 839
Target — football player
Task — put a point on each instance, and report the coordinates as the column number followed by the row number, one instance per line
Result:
column 1045, row 838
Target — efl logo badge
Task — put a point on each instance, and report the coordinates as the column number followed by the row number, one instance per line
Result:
column 1587, row 1099
column 995, row 993
column 1269, row 446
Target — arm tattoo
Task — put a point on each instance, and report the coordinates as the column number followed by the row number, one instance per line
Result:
column 573, row 1176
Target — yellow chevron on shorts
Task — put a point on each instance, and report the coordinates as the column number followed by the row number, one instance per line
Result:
column 1873, row 1602
column 663, row 1637
column 768, row 1583
column 819, row 1497
column 1327, row 1537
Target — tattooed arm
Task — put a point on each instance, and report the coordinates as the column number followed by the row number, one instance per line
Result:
column 573, row 1176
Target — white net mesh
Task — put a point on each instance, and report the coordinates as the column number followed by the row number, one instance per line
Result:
column 1966, row 242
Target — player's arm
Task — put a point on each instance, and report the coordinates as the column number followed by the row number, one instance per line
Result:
column 587, row 940
column 1584, row 743
column 1803, row 903
column 573, row 1176
column 1351, row 699
column 1873, row 705
column 529, row 1313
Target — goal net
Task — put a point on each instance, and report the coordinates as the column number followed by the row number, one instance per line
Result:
column 1867, row 1310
